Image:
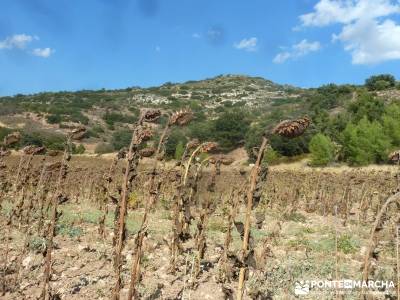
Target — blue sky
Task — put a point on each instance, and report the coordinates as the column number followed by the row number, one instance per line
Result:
column 48, row 45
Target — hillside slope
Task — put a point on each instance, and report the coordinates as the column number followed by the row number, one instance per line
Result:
column 231, row 109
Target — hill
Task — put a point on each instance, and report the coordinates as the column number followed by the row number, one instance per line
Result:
column 231, row 109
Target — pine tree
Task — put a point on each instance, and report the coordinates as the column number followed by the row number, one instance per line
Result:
column 322, row 150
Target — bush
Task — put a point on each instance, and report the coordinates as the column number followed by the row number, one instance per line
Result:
column 80, row 149
column 121, row 138
column 112, row 118
column 380, row 82
column 366, row 105
column 201, row 130
column 322, row 150
column 103, row 148
column 290, row 147
column 53, row 119
column 271, row 157
column 3, row 132
column 330, row 96
column 40, row 138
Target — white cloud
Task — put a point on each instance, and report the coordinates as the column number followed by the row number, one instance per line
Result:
column 297, row 50
column 328, row 12
column 370, row 42
column 367, row 31
column 196, row 35
column 281, row 57
column 19, row 41
column 43, row 52
column 249, row 44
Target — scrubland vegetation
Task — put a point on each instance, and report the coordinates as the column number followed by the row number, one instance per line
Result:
column 231, row 110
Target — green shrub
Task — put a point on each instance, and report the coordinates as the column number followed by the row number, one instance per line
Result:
column 366, row 105
column 112, row 118
column 271, row 157
column 68, row 230
column 347, row 245
column 322, row 150
column 175, row 139
column 53, row 119
column 180, row 148
column 230, row 129
column 380, row 82
column 121, row 138
column 80, row 149
column 51, row 141
column 3, row 132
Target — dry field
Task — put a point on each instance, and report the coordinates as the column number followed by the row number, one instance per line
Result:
column 205, row 227
column 309, row 224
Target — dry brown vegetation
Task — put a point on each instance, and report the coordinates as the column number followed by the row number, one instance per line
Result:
column 139, row 228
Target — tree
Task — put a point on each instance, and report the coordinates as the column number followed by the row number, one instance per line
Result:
column 391, row 123
column 330, row 96
column 322, row 150
column 230, row 129
column 366, row 105
column 291, row 147
column 380, row 82
column 365, row 143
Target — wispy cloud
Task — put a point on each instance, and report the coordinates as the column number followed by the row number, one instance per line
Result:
column 297, row 50
column 43, row 52
column 19, row 41
column 22, row 41
column 367, row 31
column 249, row 44
column 216, row 35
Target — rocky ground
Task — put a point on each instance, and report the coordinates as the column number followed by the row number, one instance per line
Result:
column 301, row 247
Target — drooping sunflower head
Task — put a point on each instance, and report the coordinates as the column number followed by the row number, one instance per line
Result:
column 33, row 150
column 78, row 133
column 181, row 117
column 292, row 128
column 151, row 115
column 208, row 147
column 147, row 152
column 193, row 144
column 12, row 138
